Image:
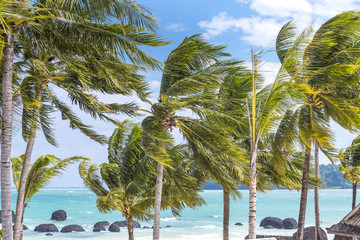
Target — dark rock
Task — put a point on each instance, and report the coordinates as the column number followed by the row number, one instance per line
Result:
column 168, row 226
column 289, row 223
column 239, row 224
column 72, row 228
column 146, row 227
column 114, row 227
column 338, row 237
column 59, row 215
column 271, row 221
column 268, row 227
column 99, row 229
column 153, row 227
column 136, row 224
column 46, row 228
column 100, row 226
column 309, row 233
column 48, row 234
column 124, row 224
column 13, row 216
column 274, row 236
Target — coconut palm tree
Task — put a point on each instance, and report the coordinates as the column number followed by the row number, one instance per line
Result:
column 323, row 89
column 41, row 172
column 350, row 166
column 72, row 23
column 191, row 77
column 130, row 178
column 42, row 75
column 13, row 17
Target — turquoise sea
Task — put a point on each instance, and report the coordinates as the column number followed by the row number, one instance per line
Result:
column 203, row 223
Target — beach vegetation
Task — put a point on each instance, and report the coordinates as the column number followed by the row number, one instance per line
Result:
column 40, row 174
column 127, row 182
column 350, row 166
column 323, row 90
column 59, row 46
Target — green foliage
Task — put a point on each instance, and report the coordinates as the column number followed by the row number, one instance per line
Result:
column 127, row 182
column 41, row 172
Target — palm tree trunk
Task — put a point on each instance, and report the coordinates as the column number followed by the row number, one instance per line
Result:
column 226, row 216
column 18, row 228
column 354, row 195
column 252, row 194
column 129, row 222
column 316, row 195
column 157, row 207
column 304, row 189
column 6, row 136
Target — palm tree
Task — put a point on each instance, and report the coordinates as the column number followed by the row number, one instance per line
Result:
column 130, row 179
column 41, row 172
column 192, row 74
column 13, row 17
column 350, row 166
column 322, row 90
column 74, row 22
column 42, row 76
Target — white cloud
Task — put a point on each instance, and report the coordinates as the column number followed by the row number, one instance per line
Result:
column 257, row 31
column 176, row 27
column 269, row 70
column 269, row 16
column 155, row 84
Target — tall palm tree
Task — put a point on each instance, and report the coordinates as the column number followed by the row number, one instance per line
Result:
column 350, row 166
column 192, row 74
column 130, row 178
column 13, row 18
column 41, row 78
column 323, row 89
column 73, row 22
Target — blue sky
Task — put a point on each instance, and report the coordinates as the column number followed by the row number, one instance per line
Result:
column 241, row 25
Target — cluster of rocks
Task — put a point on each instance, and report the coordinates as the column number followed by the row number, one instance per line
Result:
column 309, row 233
column 60, row 215
column 277, row 223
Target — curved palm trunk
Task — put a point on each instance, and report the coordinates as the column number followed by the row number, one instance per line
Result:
column 157, row 207
column 354, row 195
column 304, row 189
column 129, row 222
column 252, row 194
column 18, row 226
column 226, row 216
column 316, row 196
column 6, row 136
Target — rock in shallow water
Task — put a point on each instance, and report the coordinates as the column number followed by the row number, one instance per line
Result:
column 289, row 223
column 114, row 227
column 72, row 228
column 239, row 224
column 124, row 224
column 59, row 215
column 309, row 233
column 100, row 226
column 272, row 221
column 46, row 228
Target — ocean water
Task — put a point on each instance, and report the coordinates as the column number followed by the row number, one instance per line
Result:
column 203, row 223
